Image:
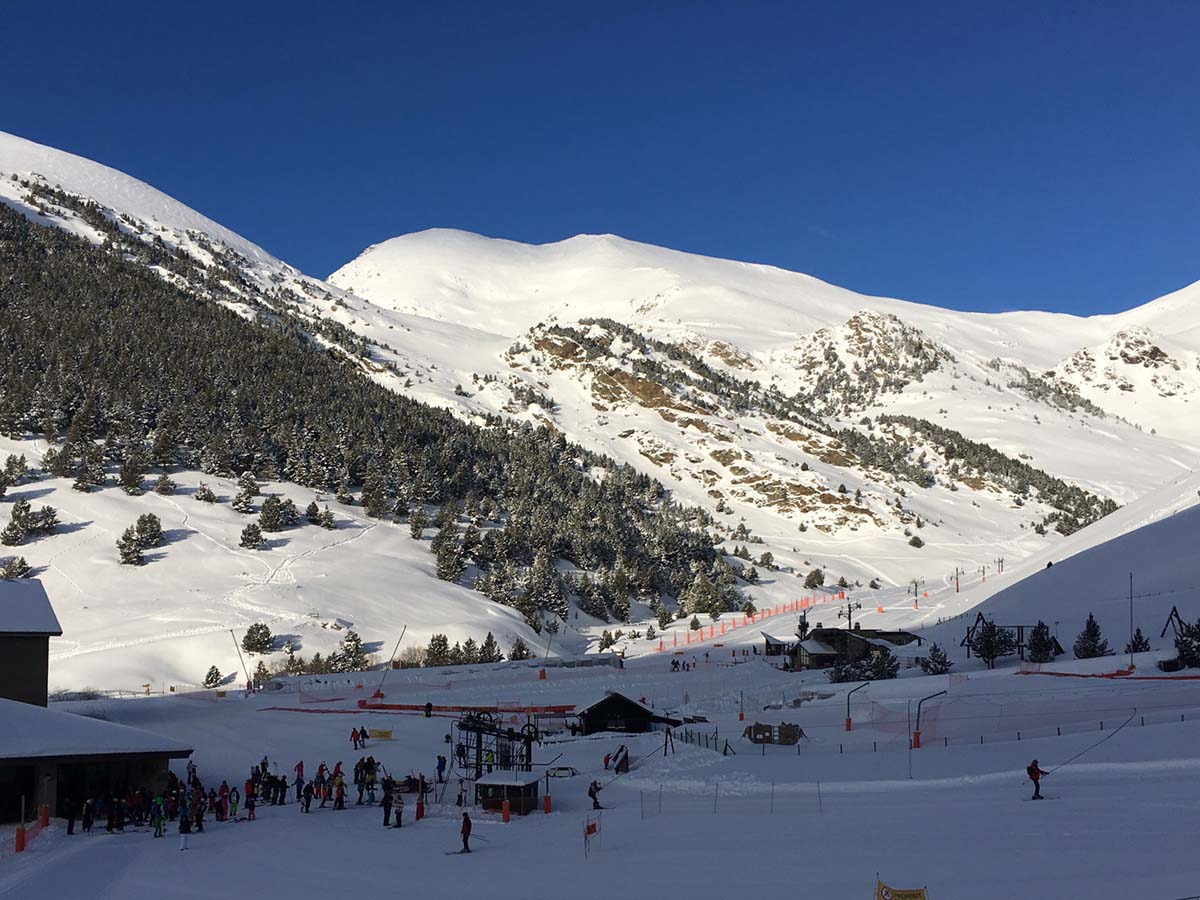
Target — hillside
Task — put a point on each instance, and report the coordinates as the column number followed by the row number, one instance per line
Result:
column 876, row 439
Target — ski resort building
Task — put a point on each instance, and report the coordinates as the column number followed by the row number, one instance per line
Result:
column 27, row 622
column 821, row 648
column 520, row 789
column 616, row 712
column 47, row 755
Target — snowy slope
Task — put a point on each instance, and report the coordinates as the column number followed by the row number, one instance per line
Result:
column 467, row 322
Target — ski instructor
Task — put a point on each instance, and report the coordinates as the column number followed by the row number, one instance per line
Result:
column 1035, row 773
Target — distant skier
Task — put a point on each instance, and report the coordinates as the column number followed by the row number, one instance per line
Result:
column 387, row 802
column 1035, row 773
column 594, row 794
column 234, row 799
column 354, row 737
column 362, row 737
column 465, row 831
column 185, row 828
column 308, row 795
column 441, row 769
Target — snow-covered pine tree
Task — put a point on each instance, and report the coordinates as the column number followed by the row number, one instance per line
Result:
column 1187, row 645
column 417, row 521
column 149, row 531
column 289, row 514
column 133, row 470
column 470, row 651
column 128, row 548
column 205, row 494
column 1089, row 644
column 449, row 559
column 313, row 513
column 213, row 678
column 164, row 486
column 1041, row 644
column 375, row 493
column 651, row 634
column 13, row 535
column 327, row 520
column 248, row 484
column 15, row 567
column 694, row 624
column 261, row 675
column 252, row 537
column 243, row 503
column 814, row 579
column 935, row 662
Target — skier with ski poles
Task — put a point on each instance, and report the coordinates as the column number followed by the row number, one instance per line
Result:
column 465, row 831
column 593, row 793
column 1035, row 773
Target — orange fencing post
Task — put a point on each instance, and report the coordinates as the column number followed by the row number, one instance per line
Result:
column 20, row 839
column 504, row 811
column 546, row 804
column 879, row 609
column 44, row 816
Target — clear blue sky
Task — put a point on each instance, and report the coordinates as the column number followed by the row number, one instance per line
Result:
column 974, row 155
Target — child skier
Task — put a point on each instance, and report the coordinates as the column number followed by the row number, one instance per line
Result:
column 1035, row 775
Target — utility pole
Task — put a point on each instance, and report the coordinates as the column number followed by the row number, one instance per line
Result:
column 1131, row 620
column 848, row 613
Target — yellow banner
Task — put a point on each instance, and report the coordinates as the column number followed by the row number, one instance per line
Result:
column 883, row 892
column 380, row 734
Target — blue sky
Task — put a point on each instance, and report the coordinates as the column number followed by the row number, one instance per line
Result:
column 983, row 156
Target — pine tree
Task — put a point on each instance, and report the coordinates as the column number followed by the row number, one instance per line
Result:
column 844, row 671
column 13, row 535
column 163, row 485
column 990, row 642
column 455, row 656
column 248, row 484
column 1041, row 644
column 327, row 520
column 695, row 625
column 1089, row 644
column 489, row 650
column 520, row 650
column 417, row 522
column 449, row 560
column 205, row 494
column 663, row 616
column 289, row 515
column 936, row 662
column 470, row 651
column 438, row 651
column 313, row 513
column 252, row 537
column 1187, row 645
column 883, row 665
column 149, row 531
column 258, row 639
column 269, row 516
column 651, row 634
column 243, row 503
column 261, row 675
column 1138, row 643
column 129, row 548
column 15, row 567
column 213, row 678
column 374, row 493
column 351, row 657
column 133, row 469
column 814, row 579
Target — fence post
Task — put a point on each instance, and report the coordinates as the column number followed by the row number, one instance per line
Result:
column 716, row 788
column 772, row 798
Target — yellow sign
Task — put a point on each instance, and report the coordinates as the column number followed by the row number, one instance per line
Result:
column 883, row 892
column 380, row 734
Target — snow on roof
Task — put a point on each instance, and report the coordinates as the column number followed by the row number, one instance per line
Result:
column 596, row 701
column 33, row 732
column 25, row 609
column 815, row 647
column 771, row 639
column 880, row 642
column 513, row 777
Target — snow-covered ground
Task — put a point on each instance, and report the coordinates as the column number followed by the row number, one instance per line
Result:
column 821, row 818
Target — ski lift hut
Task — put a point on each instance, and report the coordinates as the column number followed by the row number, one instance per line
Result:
column 520, row 789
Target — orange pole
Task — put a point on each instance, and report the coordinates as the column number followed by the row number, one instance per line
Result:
column 916, row 740
column 44, row 816
column 546, row 804
column 20, row 839
column 504, row 811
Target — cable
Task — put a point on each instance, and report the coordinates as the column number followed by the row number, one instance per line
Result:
column 1094, row 746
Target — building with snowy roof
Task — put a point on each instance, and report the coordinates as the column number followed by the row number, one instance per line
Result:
column 616, row 712
column 820, row 648
column 27, row 622
column 46, row 755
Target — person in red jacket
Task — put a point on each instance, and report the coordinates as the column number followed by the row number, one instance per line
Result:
column 466, row 833
column 354, row 737
column 1035, row 773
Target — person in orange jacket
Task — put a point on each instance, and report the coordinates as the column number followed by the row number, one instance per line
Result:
column 465, row 831
column 1035, row 773
column 354, row 737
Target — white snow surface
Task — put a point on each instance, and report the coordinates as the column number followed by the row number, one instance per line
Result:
column 25, row 609
column 33, row 731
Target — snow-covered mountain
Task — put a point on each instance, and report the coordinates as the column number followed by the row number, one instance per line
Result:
column 873, row 438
